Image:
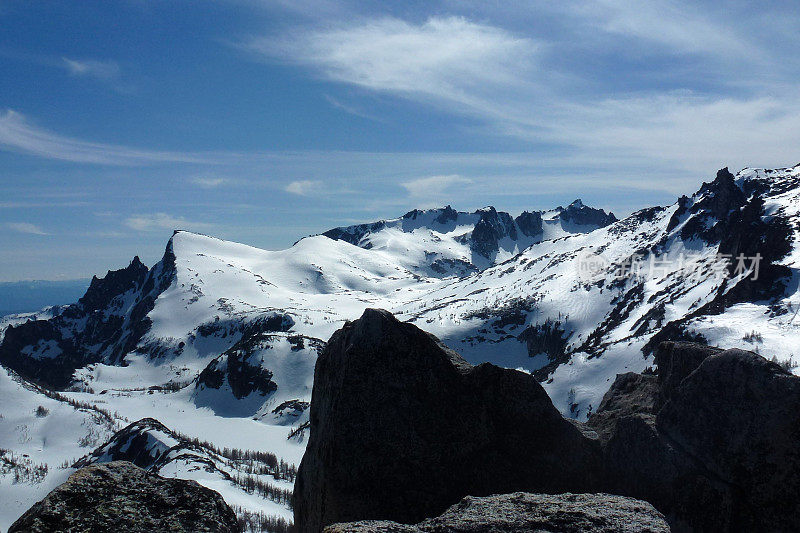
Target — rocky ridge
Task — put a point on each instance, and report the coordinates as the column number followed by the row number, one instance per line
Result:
column 121, row 496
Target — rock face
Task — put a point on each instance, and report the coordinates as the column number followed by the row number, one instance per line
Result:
column 119, row 496
column 488, row 231
column 402, row 428
column 522, row 512
column 104, row 325
column 711, row 441
column 244, row 373
column 583, row 215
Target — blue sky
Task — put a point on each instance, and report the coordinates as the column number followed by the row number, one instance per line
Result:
column 263, row 122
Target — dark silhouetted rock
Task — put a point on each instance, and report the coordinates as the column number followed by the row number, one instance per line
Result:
column 737, row 415
column 675, row 361
column 530, row 223
column 583, row 215
column 488, row 231
column 142, row 443
column 631, row 395
column 104, row 325
column 523, row 512
column 120, row 496
column 714, row 446
column 402, row 427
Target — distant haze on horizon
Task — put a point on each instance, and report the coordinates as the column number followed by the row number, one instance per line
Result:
column 262, row 122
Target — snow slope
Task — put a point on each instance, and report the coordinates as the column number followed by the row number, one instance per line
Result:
column 218, row 340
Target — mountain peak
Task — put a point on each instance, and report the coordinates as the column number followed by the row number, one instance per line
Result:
column 576, row 204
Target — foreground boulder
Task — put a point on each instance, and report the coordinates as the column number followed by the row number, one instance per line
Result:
column 120, row 496
column 711, row 441
column 402, row 428
column 522, row 512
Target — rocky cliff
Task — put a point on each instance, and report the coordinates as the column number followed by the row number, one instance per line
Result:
column 402, row 428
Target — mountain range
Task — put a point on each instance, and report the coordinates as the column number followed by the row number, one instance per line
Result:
column 218, row 340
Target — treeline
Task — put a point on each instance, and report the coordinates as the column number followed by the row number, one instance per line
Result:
column 24, row 470
column 253, row 485
column 110, row 420
column 258, row 522
column 248, row 461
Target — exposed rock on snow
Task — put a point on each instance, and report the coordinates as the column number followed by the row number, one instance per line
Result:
column 143, row 443
column 120, row 496
column 522, row 512
column 461, row 243
column 104, row 325
column 402, row 427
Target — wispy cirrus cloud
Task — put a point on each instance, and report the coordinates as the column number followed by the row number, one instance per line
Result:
column 19, row 134
column 440, row 58
column 303, row 187
column 163, row 221
column 25, row 227
column 541, row 90
column 208, row 182
column 434, row 186
column 101, row 70
column 351, row 109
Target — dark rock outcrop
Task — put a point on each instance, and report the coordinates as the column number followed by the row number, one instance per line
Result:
column 120, row 496
column 711, row 441
column 245, row 374
column 143, row 443
column 583, row 215
column 402, row 427
column 523, row 512
column 242, row 369
column 530, row 223
column 102, row 291
column 104, row 325
column 675, row 361
column 491, row 227
column 549, row 338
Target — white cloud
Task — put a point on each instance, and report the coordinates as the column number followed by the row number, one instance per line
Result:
column 446, row 59
column 18, row 134
column 162, row 221
column 209, row 183
column 434, row 185
column 679, row 27
column 351, row 109
column 519, row 87
column 102, row 70
column 303, row 187
column 25, row 227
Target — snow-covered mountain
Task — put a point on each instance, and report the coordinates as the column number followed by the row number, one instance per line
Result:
column 445, row 242
column 218, row 340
